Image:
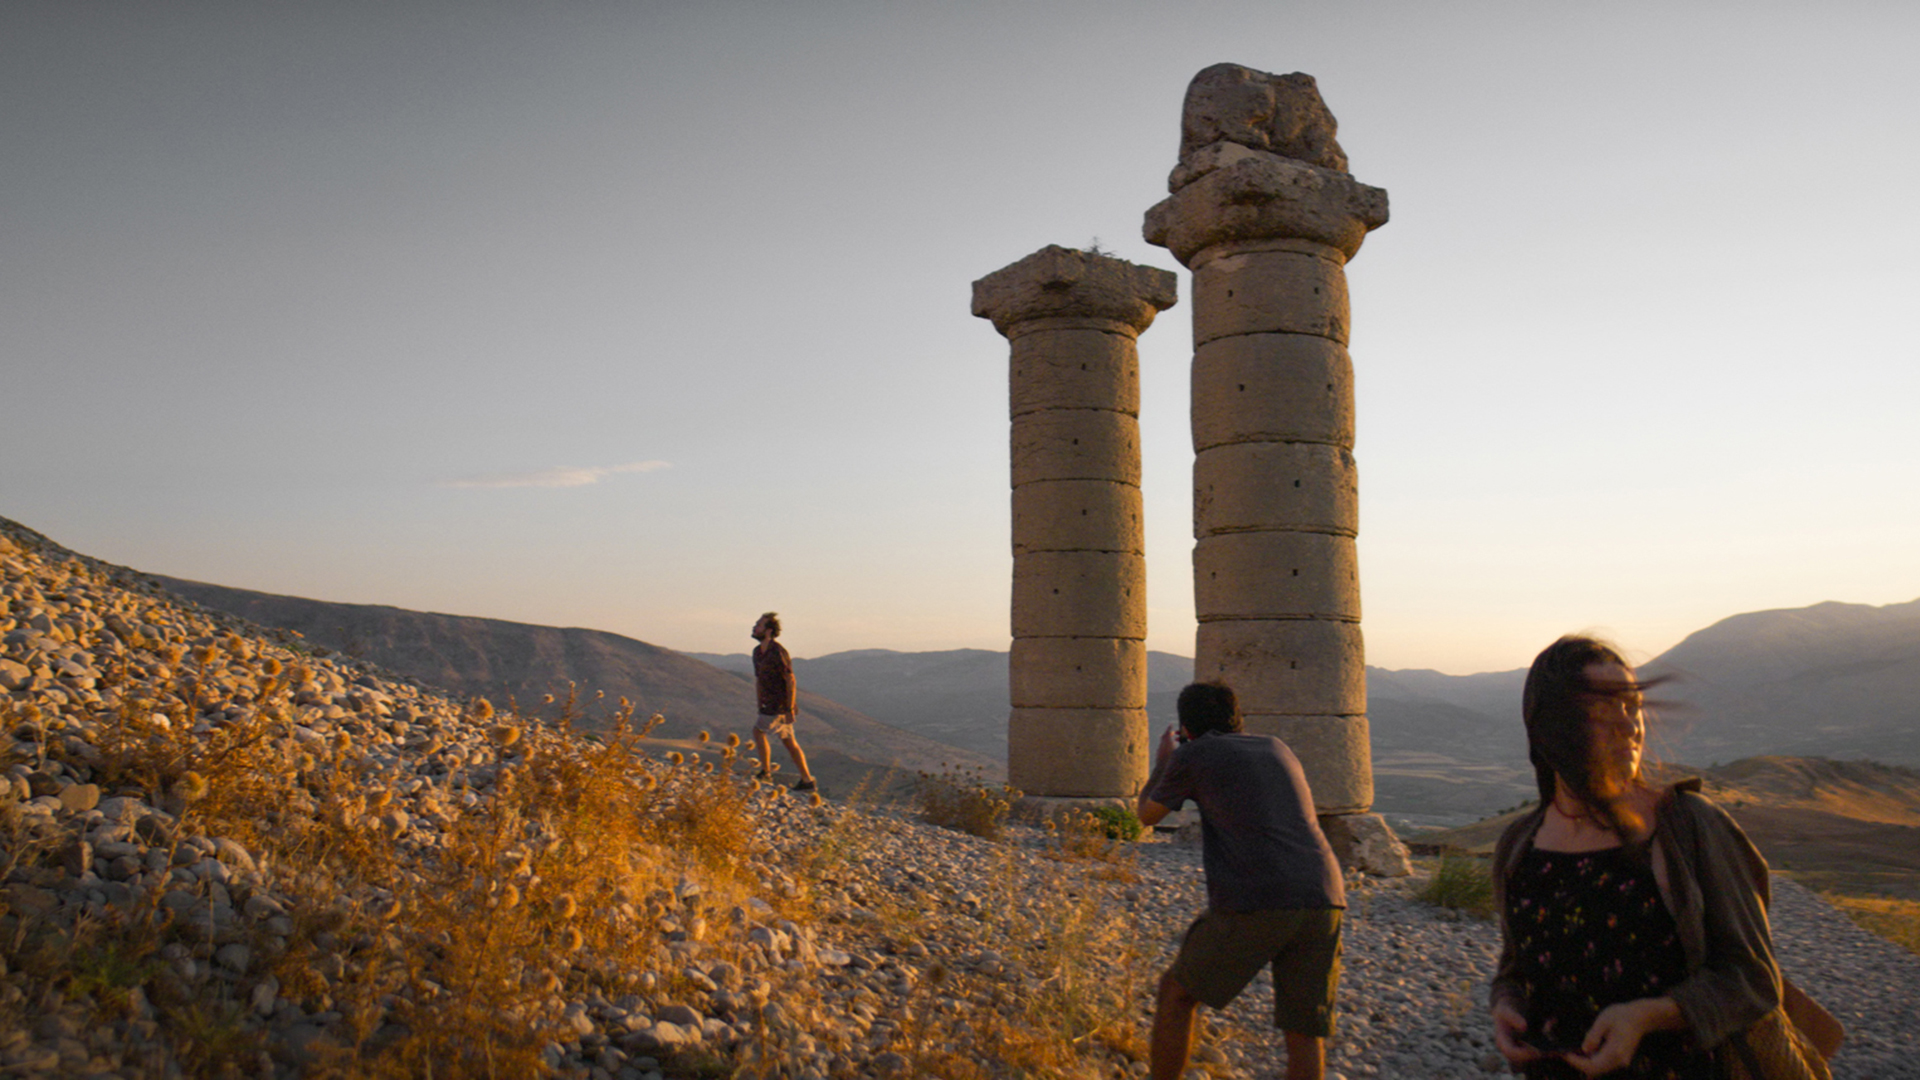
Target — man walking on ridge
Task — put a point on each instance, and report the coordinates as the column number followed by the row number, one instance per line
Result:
column 1274, row 892
column 773, row 679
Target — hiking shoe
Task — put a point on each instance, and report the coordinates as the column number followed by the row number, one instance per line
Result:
column 806, row 785
column 763, row 774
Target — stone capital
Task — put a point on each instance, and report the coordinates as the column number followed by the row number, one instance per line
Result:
column 1231, row 193
column 1057, row 283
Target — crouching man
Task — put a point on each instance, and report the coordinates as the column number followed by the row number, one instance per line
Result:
column 1274, row 893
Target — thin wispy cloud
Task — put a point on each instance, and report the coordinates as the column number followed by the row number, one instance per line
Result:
column 561, row 476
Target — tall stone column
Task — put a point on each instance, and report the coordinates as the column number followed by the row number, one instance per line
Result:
column 1078, row 669
column 1265, row 214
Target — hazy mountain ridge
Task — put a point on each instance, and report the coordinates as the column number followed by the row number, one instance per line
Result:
column 1828, row 681
column 470, row 656
column 958, row 696
column 1832, row 680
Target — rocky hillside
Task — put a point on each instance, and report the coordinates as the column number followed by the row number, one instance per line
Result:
column 227, row 853
column 504, row 661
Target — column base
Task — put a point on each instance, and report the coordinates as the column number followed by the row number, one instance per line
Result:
column 1365, row 843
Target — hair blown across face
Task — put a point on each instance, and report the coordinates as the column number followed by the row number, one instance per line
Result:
column 1560, row 738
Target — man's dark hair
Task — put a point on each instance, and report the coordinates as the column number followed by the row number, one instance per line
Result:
column 1208, row 706
column 772, row 619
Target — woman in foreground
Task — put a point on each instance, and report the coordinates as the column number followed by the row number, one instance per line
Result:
column 1634, row 919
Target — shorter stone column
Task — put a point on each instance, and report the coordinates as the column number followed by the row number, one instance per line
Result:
column 1078, row 668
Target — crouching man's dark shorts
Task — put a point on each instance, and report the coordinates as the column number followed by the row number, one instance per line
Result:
column 1224, row 950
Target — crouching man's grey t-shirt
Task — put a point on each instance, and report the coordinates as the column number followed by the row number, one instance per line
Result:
column 1260, row 840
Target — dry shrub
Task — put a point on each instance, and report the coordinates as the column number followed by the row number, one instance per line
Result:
column 1091, row 835
column 962, row 800
column 571, row 858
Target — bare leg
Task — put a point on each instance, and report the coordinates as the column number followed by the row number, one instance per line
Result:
column 799, row 756
column 1172, row 1029
column 765, row 749
column 1306, row 1056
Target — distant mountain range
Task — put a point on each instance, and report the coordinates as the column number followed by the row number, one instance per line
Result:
column 502, row 661
column 1839, row 681
column 1832, row 680
column 958, row 696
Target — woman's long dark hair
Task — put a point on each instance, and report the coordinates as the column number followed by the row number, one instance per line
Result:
column 1559, row 739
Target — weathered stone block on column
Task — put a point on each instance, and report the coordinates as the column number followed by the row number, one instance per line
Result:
column 1302, row 666
column 1065, row 753
column 1277, row 575
column 1265, row 214
column 1333, row 752
column 1286, row 486
column 1078, row 672
column 1272, row 388
column 1079, row 594
column 1075, row 515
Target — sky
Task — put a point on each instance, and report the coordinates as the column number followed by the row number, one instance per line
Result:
column 649, row 317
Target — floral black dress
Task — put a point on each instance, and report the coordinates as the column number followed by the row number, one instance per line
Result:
column 1590, row 930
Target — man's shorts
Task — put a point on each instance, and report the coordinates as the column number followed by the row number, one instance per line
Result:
column 1224, row 950
column 778, row 724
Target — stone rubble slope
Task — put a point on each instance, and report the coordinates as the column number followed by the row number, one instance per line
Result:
column 866, row 943
column 736, row 980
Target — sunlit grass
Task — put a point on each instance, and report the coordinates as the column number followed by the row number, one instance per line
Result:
column 1894, row 919
column 1460, row 883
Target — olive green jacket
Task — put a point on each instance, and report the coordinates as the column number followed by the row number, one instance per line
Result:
column 1715, row 885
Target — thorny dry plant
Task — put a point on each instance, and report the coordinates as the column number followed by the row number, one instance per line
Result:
column 961, row 799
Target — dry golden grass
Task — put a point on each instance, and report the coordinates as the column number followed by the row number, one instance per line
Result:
column 1889, row 917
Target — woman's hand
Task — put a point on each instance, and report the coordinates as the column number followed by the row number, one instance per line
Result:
column 1508, row 1026
column 1616, row 1033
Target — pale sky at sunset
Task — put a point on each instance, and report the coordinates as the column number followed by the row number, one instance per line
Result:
column 649, row 317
